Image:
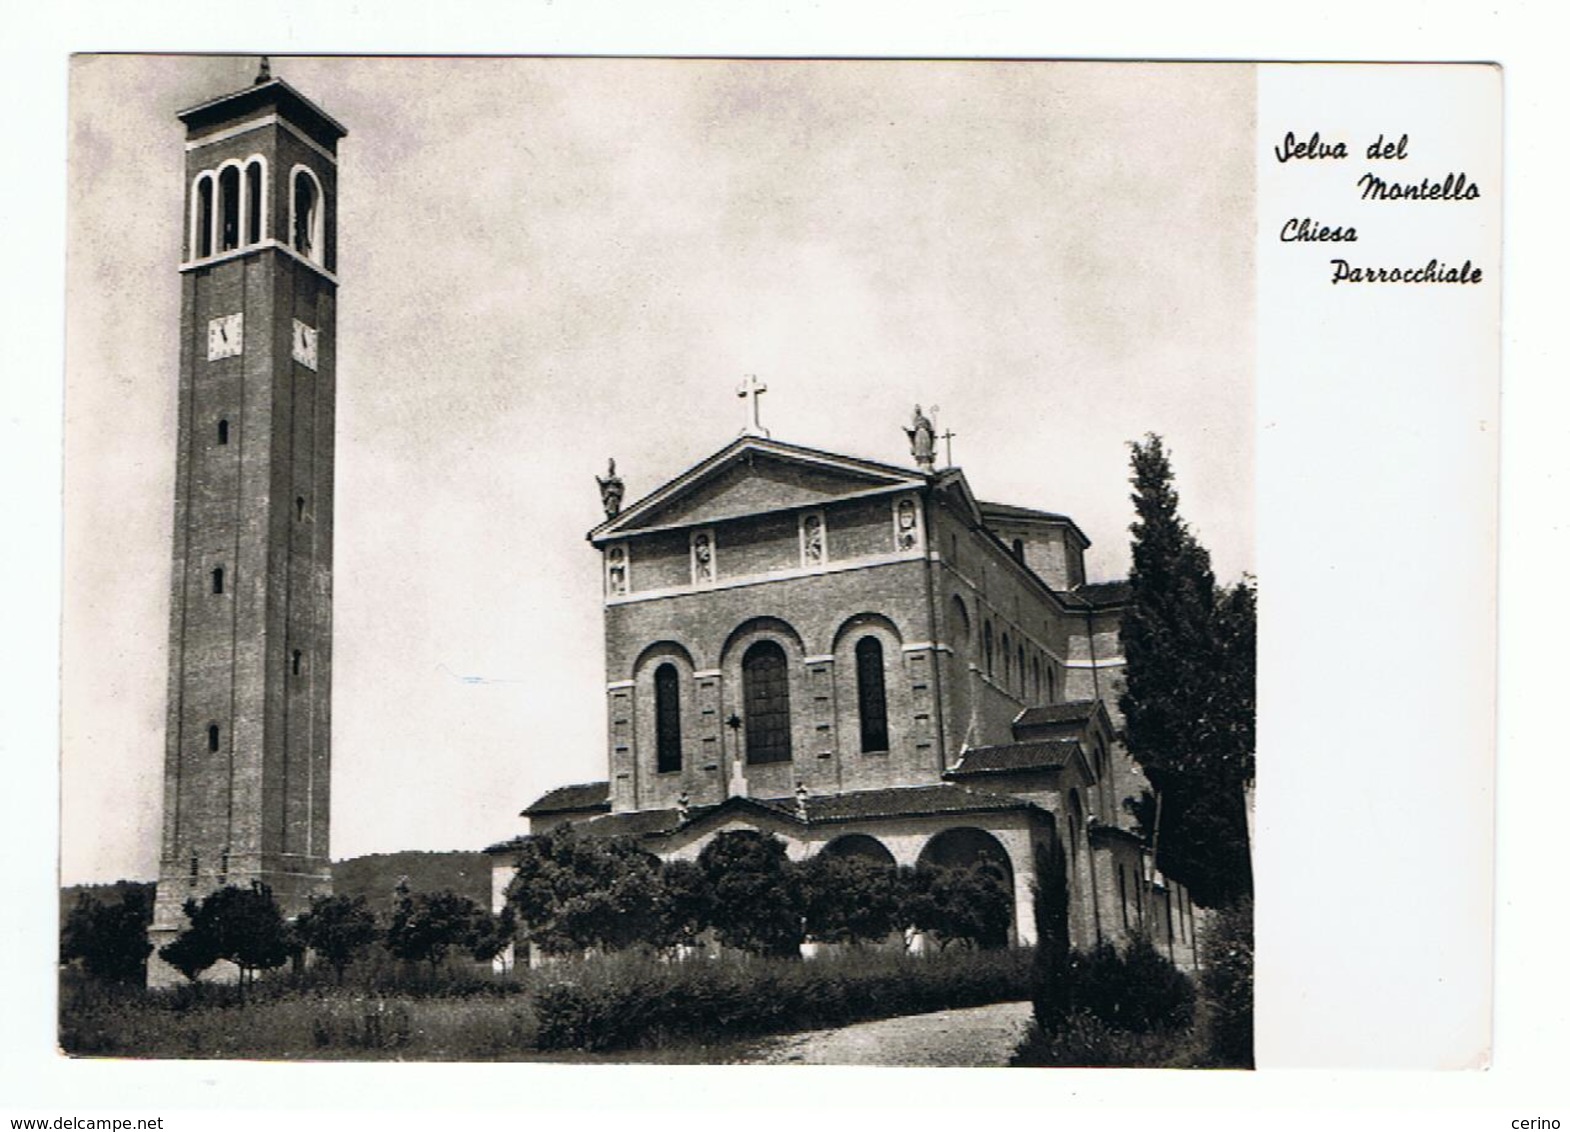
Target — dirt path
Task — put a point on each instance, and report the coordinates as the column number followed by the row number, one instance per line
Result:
column 977, row 1036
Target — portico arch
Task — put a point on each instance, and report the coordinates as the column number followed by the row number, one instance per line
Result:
column 862, row 846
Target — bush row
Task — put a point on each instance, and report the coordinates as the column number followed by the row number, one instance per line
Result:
column 626, row 1001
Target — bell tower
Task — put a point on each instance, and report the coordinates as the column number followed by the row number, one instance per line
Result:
column 247, row 746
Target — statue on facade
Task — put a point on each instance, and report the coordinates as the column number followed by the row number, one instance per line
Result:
column 616, row 572
column 683, row 806
column 611, row 491
column 922, row 438
column 812, row 540
column 801, row 800
column 702, row 560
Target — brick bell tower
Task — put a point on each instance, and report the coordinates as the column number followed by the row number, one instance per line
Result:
column 248, row 742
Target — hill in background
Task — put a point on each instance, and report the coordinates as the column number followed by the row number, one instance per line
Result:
column 373, row 876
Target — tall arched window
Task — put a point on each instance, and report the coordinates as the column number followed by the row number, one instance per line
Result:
column 212, row 737
column 229, row 208
column 218, row 579
column 1019, row 656
column 667, row 719
column 202, row 218
column 1052, row 686
column 306, row 211
column 223, row 432
column 765, row 683
column 253, row 201
column 872, row 706
column 1008, row 668
column 986, row 645
column 1035, row 678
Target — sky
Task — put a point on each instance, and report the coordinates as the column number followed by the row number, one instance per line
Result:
column 546, row 263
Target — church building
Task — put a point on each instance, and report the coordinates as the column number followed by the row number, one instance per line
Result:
column 865, row 659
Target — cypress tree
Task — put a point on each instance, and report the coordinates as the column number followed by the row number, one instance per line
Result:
column 1188, row 703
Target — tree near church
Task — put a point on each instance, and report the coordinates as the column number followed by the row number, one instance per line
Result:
column 109, row 937
column 426, row 927
column 1188, row 703
column 573, row 892
column 242, row 925
column 756, row 906
column 969, row 903
column 337, row 929
column 848, row 899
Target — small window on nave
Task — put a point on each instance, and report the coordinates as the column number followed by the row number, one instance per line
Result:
column 213, row 735
column 872, row 706
column 986, row 645
column 667, row 719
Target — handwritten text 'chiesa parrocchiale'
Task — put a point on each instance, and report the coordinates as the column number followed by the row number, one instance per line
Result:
column 1372, row 187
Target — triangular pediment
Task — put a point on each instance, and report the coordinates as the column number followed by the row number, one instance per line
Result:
column 754, row 476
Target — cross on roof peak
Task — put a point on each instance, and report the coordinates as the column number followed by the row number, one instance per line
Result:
column 752, row 389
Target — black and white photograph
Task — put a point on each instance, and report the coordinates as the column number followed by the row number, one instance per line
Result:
column 721, row 561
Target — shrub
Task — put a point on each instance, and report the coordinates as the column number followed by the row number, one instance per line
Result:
column 1137, row 990
column 848, row 899
column 626, row 1001
column 242, row 925
column 1082, row 1040
column 1227, row 986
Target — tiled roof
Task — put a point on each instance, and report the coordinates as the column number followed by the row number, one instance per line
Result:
column 1104, row 593
column 1045, row 754
column 639, row 823
column 580, row 798
column 1075, row 711
column 1009, row 511
column 900, row 801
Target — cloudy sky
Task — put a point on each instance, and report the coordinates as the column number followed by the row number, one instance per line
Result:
column 548, row 262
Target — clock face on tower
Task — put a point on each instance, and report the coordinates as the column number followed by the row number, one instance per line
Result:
column 225, row 336
column 305, row 345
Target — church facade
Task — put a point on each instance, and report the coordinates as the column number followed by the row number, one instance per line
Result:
column 863, row 658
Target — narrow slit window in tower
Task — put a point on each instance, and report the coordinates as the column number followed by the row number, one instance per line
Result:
column 229, row 208
column 295, row 663
column 253, row 203
column 223, row 432
column 218, row 579
column 212, row 738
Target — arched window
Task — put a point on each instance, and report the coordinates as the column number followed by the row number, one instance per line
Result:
column 667, row 719
column 1035, row 678
column 253, row 201
column 871, row 703
column 295, row 663
column 1019, row 656
column 299, row 508
column 202, row 218
column 1019, row 549
column 212, row 737
column 1052, row 686
column 223, row 432
column 1008, row 664
column 766, row 698
column 229, row 208
column 306, row 211
column 218, row 579
column 986, row 645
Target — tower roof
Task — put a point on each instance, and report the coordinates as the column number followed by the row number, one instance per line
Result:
column 273, row 94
